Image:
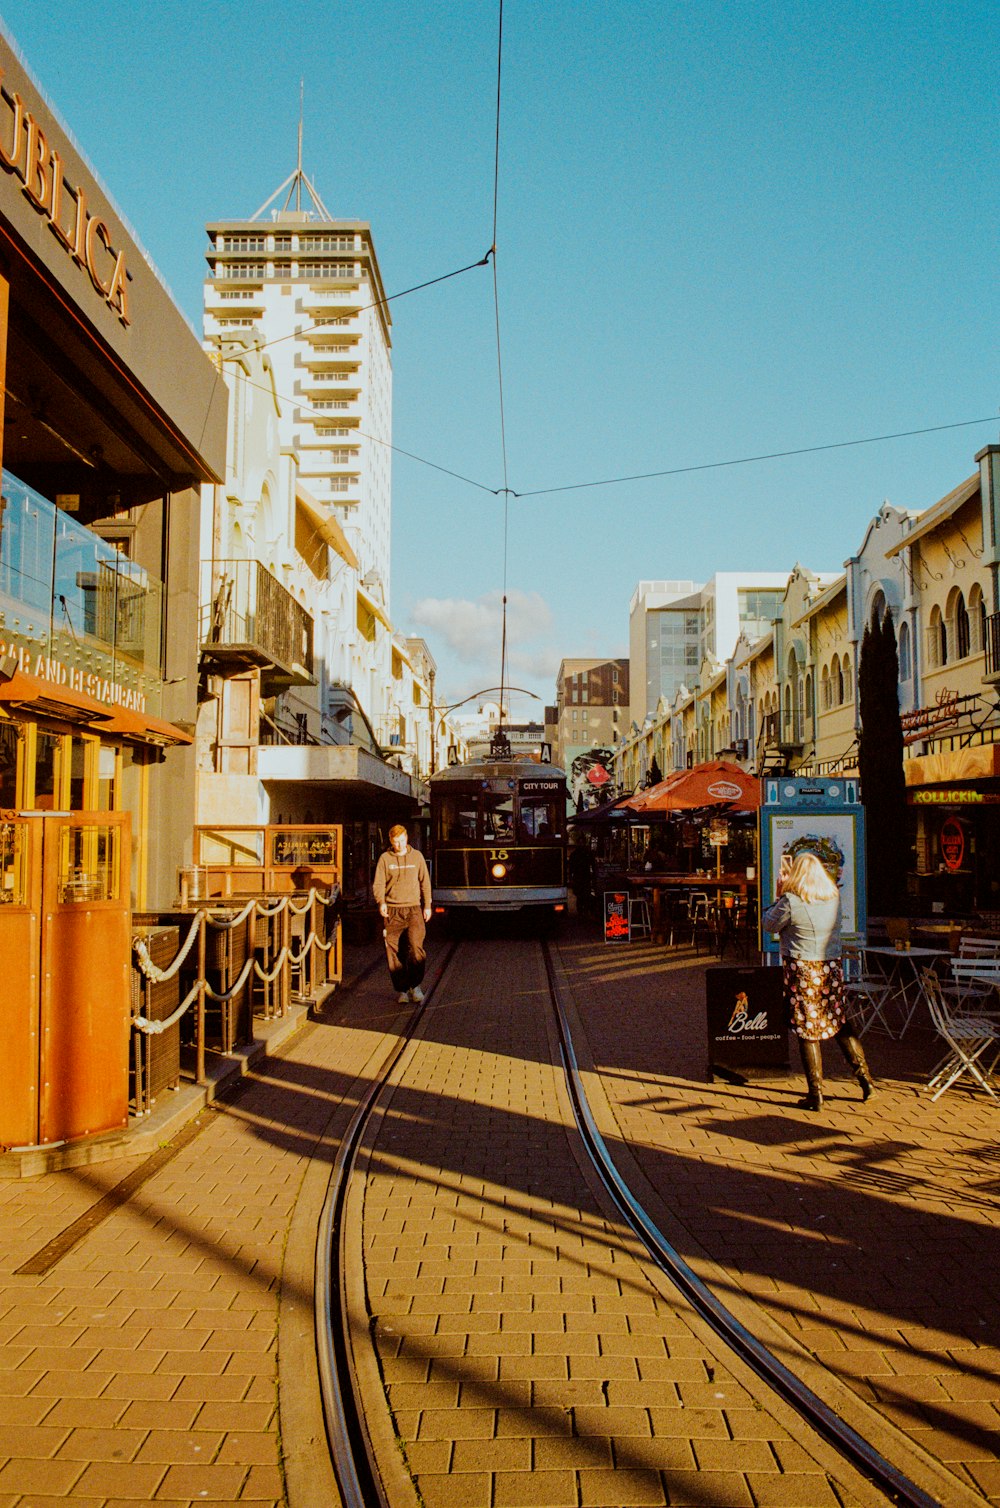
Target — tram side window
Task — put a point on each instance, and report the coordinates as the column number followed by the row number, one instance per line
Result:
column 498, row 818
column 541, row 818
column 457, row 820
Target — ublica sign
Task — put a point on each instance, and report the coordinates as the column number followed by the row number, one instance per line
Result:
column 26, row 154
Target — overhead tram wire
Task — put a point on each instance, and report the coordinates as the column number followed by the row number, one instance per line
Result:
column 496, row 314
column 381, row 302
column 362, row 434
column 773, row 455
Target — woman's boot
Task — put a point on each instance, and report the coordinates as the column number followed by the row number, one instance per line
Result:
column 812, row 1062
column 855, row 1055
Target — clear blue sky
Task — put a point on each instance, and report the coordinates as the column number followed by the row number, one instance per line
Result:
column 724, row 229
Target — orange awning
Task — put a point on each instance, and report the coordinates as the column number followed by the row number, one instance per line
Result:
column 40, row 698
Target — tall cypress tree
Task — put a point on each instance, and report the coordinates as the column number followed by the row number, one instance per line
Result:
column 880, row 766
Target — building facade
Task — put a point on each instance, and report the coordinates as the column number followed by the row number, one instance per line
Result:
column 114, row 418
column 675, row 625
column 308, row 288
column 592, row 701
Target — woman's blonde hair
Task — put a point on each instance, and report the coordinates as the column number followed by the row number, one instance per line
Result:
column 810, row 879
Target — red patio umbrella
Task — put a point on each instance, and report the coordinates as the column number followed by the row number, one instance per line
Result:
column 717, row 783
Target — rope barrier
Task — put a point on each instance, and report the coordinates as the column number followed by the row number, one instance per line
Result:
column 205, row 917
column 154, row 1028
column 150, row 969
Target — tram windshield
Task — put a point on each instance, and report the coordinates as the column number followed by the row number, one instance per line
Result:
column 488, row 817
column 541, row 817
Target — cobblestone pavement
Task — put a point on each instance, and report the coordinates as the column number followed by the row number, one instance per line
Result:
column 144, row 1362
column 528, row 1356
column 871, row 1232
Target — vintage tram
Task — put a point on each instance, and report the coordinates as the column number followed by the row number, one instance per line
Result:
column 498, row 836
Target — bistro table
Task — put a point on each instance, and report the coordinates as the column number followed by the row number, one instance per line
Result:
column 903, row 985
column 661, row 886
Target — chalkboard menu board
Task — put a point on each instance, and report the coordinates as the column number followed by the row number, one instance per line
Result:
column 616, row 918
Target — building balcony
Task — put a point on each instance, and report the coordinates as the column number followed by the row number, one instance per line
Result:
column 333, row 330
column 221, row 299
column 991, row 644
column 391, row 733
column 329, row 366
column 324, row 300
column 247, row 618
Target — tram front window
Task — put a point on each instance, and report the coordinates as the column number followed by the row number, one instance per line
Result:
column 541, row 817
column 457, row 820
column 498, row 818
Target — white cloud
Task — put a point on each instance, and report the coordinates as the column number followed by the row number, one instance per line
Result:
column 464, row 636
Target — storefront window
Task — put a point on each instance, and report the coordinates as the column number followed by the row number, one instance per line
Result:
column 77, row 774
column 47, row 751
column 107, row 779
column 8, row 766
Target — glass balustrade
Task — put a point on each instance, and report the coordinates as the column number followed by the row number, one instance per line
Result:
column 70, row 598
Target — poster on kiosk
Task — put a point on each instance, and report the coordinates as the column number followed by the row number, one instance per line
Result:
column 825, row 817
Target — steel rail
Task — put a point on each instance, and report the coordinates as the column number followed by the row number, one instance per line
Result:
column 827, row 1423
column 352, row 1453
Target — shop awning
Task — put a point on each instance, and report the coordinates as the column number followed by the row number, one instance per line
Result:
column 31, row 694
column 368, row 601
column 326, row 527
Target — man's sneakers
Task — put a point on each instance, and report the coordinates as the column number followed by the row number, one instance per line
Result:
column 417, row 995
column 403, row 998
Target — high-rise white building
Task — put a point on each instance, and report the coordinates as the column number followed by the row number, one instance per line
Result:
column 675, row 625
column 310, row 286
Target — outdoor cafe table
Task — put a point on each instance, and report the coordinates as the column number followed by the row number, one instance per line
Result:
column 903, row 985
column 660, row 885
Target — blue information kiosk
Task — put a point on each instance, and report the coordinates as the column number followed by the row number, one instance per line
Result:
column 825, row 817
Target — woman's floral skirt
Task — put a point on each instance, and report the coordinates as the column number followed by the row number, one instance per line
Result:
column 815, row 995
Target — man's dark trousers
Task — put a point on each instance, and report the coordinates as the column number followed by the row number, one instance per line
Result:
column 404, row 946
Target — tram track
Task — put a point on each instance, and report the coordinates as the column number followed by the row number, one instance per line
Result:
column 370, row 1473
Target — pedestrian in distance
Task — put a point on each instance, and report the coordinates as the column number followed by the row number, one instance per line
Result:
column 805, row 917
column 402, row 890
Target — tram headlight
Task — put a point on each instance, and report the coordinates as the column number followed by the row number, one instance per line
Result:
column 499, row 871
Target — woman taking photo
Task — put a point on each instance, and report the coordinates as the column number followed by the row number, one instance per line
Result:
column 806, row 920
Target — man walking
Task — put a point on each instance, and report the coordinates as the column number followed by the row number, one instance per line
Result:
column 402, row 890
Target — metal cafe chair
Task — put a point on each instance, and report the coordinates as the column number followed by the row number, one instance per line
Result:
column 966, row 1039
column 866, row 994
column 974, row 985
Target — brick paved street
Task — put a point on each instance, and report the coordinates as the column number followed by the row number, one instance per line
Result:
column 870, row 1231
column 166, row 1355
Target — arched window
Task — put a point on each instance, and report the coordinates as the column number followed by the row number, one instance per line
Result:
column 903, row 650
column 977, row 620
column 837, row 676
column 807, row 697
column 963, row 637
column 824, row 689
column 848, row 679
column 937, row 640
column 878, row 608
